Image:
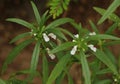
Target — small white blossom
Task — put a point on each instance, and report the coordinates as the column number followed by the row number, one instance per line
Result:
column 52, row 36
column 115, row 80
column 73, row 51
column 46, row 38
column 52, row 56
column 92, row 47
column 92, row 33
column 34, row 34
column 73, row 40
column 76, row 36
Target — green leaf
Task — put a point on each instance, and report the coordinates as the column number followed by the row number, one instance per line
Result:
column 110, row 55
column 21, row 22
column 70, row 80
column 59, row 67
column 102, row 36
column 60, row 78
column 34, row 61
column 118, row 62
column 58, row 22
column 66, row 32
column 36, row 12
column 85, row 68
column 45, row 70
column 112, row 43
column 44, row 18
column 63, row 47
column 103, row 71
column 106, row 81
column 102, row 57
column 111, row 8
column 111, row 29
column 93, row 26
column 19, row 37
column 2, row 82
column 15, row 52
column 57, row 32
column 16, row 81
column 112, row 16
column 95, row 66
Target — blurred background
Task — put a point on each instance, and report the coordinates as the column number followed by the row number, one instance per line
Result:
column 80, row 10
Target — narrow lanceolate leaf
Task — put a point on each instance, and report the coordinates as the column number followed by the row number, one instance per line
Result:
column 110, row 55
column 112, row 7
column 93, row 26
column 60, row 78
column 44, row 17
column 66, row 32
column 45, row 70
column 60, row 66
column 19, row 37
column 15, row 52
column 111, row 28
column 34, row 61
column 85, row 68
column 112, row 43
column 70, row 80
column 2, row 82
column 23, row 72
column 63, row 47
column 36, row 12
column 103, row 71
column 58, row 22
column 21, row 22
column 103, row 36
column 105, row 81
column 112, row 16
column 102, row 56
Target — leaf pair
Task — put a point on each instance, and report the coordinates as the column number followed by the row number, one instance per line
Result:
column 108, row 13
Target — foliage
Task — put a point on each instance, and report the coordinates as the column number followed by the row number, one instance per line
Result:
column 50, row 40
column 58, row 6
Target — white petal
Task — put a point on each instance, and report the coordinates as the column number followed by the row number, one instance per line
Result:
column 73, row 40
column 46, row 38
column 52, row 35
column 92, row 47
column 34, row 34
column 92, row 33
column 52, row 56
column 73, row 51
column 76, row 36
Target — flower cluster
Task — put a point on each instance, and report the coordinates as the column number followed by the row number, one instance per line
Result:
column 46, row 37
column 91, row 46
column 52, row 56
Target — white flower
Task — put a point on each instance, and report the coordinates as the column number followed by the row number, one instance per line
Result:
column 52, row 56
column 92, row 33
column 52, row 36
column 76, row 36
column 92, row 47
column 34, row 34
column 73, row 40
column 46, row 38
column 115, row 80
column 73, row 51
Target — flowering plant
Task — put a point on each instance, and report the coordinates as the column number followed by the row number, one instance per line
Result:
column 50, row 40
